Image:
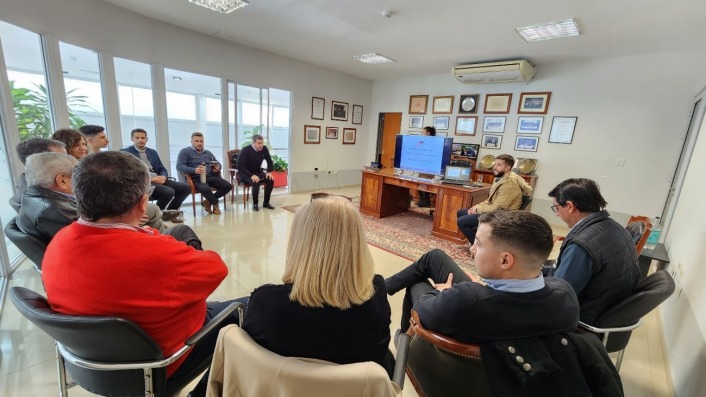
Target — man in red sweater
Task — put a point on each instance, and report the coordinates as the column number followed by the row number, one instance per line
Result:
column 99, row 265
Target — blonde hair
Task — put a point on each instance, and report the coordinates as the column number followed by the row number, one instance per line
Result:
column 328, row 261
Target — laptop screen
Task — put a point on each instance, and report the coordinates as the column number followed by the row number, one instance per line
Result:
column 462, row 174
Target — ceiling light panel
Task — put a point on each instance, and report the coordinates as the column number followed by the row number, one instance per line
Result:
column 222, row 6
column 549, row 30
column 373, row 58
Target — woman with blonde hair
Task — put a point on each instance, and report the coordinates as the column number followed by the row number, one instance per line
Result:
column 332, row 306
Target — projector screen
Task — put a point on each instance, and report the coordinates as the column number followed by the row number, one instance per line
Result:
column 424, row 154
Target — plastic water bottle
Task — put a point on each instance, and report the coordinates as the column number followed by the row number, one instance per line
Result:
column 203, row 176
column 653, row 239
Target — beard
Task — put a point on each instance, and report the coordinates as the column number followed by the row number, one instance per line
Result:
column 499, row 174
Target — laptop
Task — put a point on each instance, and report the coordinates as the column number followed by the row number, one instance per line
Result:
column 457, row 175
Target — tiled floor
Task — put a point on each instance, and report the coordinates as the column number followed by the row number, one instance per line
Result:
column 253, row 244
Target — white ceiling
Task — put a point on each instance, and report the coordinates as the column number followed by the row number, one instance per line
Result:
column 430, row 36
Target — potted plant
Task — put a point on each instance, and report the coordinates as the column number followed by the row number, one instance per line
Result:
column 280, row 173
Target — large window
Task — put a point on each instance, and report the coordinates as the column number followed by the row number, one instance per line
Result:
column 135, row 97
column 265, row 112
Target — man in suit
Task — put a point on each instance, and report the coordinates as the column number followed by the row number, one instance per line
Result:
column 168, row 193
column 255, row 168
column 506, row 194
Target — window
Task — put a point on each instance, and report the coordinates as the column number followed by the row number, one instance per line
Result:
column 135, row 99
column 82, row 81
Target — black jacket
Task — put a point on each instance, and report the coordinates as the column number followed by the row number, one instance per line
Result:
column 44, row 212
column 250, row 162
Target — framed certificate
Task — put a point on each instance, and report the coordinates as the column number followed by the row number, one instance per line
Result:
column 562, row 129
column 317, row 108
column 357, row 114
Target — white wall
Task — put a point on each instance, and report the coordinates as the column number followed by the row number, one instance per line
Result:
column 103, row 27
column 634, row 108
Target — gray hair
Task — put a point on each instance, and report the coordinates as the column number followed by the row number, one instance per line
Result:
column 109, row 184
column 42, row 168
column 36, row 145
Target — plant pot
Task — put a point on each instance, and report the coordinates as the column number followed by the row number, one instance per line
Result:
column 280, row 178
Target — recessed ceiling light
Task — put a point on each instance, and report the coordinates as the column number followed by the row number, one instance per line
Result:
column 549, row 30
column 176, row 78
column 373, row 58
column 222, row 6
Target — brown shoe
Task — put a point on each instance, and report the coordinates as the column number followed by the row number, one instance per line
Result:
column 216, row 209
column 207, row 206
column 179, row 218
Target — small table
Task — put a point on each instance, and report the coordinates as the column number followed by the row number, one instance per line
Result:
column 659, row 253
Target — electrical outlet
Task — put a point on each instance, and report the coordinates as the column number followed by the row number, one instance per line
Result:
column 335, row 172
column 316, row 173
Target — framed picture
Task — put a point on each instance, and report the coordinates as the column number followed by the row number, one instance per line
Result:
column 526, row 143
column 418, row 104
column 497, row 103
column 331, row 132
column 339, row 111
column 414, row 133
column 443, row 105
column 534, row 102
column 466, row 125
column 441, row 123
column 491, row 141
column 317, row 108
column 562, row 129
column 349, row 136
column 312, row 134
column 494, row 124
column 469, row 104
column 530, row 125
column 444, row 134
column 357, row 115
column 416, row 121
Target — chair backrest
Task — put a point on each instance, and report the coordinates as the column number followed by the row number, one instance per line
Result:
column 233, row 158
column 639, row 228
column 441, row 366
column 526, row 200
column 31, row 246
column 240, row 364
column 103, row 339
column 650, row 293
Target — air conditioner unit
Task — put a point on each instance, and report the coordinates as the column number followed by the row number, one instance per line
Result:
column 494, row 72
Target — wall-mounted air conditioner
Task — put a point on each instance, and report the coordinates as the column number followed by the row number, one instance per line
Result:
column 494, row 72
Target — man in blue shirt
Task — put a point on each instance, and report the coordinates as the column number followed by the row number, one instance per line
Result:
column 194, row 161
column 598, row 256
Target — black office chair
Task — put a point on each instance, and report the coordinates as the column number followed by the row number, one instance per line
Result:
column 615, row 325
column 31, row 246
column 526, row 200
column 110, row 355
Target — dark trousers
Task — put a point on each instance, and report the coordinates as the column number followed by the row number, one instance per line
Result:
column 435, row 265
column 171, row 194
column 467, row 224
column 202, row 352
column 269, row 185
column 186, row 234
column 221, row 185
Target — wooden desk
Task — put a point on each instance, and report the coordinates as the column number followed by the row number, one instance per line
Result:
column 383, row 194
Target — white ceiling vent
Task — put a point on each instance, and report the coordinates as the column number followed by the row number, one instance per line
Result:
column 494, row 72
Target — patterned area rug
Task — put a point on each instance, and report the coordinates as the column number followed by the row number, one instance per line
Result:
column 408, row 235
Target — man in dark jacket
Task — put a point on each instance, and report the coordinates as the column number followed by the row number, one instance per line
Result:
column 25, row 149
column 255, row 168
column 598, row 256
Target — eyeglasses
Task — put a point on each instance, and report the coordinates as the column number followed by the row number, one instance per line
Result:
column 555, row 207
column 149, row 192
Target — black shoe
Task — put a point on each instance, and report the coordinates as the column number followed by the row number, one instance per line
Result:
column 268, row 206
column 255, row 207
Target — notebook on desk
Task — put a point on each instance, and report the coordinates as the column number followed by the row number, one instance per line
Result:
column 457, row 175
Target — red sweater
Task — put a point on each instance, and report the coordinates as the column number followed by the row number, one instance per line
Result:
column 157, row 282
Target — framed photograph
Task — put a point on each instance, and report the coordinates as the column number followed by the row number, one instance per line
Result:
column 530, row 125
column 414, row 133
column 418, row 104
column 416, row 121
column 357, row 115
column 469, row 150
column 494, row 124
column 331, row 132
column 534, row 102
column 312, row 134
column 441, row 123
column 526, row 143
column 339, row 111
column 443, row 105
column 444, row 134
column 317, row 108
column 497, row 103
column 349, row 136
column 466, row 125
column 491, row 141
column 562, row 129
column 469, row 104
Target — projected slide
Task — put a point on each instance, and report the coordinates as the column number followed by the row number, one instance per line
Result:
column 422, row 154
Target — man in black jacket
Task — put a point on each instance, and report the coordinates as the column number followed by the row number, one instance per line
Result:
column 255, row 168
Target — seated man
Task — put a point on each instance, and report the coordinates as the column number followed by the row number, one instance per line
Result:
column 514, row 302
column 506, row 194
column 168, row 193
column 598, row 256
column 195, row 161
column 96, row 139
column 26, row 148
column 105, row 265
column 255, row 168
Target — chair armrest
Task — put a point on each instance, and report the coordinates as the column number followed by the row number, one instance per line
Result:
column 401, row 360
column 215, row 321
column 443, row 342
column 611, row 329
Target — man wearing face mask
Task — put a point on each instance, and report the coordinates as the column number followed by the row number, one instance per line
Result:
column 255, row 168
